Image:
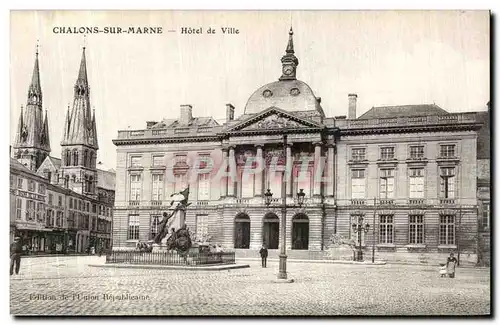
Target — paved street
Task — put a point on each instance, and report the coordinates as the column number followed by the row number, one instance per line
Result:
column 70, row 287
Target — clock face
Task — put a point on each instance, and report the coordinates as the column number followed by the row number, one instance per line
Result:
column 287, row 70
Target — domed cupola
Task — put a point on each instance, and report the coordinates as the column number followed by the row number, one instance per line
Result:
column 288, row 93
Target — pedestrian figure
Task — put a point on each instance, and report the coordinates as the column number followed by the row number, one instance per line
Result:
column 263, row 254
column 442, row 270
column 450, row 265
column 15, row 255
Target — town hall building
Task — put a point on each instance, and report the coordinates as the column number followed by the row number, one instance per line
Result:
column 409, row 171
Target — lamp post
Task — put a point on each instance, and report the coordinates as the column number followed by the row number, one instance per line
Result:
column 360, row 228
column 282, row 275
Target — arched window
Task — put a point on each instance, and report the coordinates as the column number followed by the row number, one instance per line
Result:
column 75, row 157
column 85, row 157
column 68, row 158
column 91, row 159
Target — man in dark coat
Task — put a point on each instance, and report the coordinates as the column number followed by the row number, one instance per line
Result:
column 15, row 255
column 263, row 254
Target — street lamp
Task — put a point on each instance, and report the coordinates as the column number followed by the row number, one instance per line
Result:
column 359, row 227
column 268, row 196
column 300, row 197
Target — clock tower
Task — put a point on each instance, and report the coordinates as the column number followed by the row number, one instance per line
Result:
column 289, row 61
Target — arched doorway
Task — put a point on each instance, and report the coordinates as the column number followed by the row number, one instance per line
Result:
column 270, row 230
column 242, row 231
column 300, row 231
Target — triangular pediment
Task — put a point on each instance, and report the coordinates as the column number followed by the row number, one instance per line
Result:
column 274, row 118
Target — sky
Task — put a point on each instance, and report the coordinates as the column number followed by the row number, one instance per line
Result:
column 385, row 57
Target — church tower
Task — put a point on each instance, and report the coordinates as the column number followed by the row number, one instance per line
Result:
column 79, row 144
column 32, row 144
column 289, row 61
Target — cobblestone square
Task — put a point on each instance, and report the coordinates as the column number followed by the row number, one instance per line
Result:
column 68, row 286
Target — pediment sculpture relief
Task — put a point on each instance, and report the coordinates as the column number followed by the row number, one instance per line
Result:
column 274, row 122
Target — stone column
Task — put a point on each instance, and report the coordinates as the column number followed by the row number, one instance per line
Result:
column 232, row 168
column 330, row 187
column 317, row 161
column 288, row 170
column 258, row 176
column 223, row 183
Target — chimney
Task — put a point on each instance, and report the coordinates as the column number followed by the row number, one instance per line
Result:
column 352, row 106
column 186, row 114
column 229, row 112
column 149, row 124
column 318, row 99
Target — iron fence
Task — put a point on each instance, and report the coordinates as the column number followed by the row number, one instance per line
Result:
column 170, row 258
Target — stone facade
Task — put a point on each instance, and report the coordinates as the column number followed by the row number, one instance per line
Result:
column 411, row 168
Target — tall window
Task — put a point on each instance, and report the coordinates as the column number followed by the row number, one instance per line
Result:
column 180, row 182
column 75, row 158
column 135, row 161
column 68, row 158
column 59, row 219
column 387, row 153
column 47, row 218
column 154, row 228
column 247, row 184
column 59, row 200
column 157, row 187
column 19, row 206
column 201, row 225
column 274, row 182
column 31, row 185
column 386, row 229
column 158, row 161
column 416, row 229
column 303, row 181
column 416, row 176
column 447, row 230
column 91, row 159
column 358, row 184
column 40, row 211
column 19, row 182
column 51, row 198
column 387, row 183
column 85, row 158
column 416, row 152
column 485, row 217
column 447, row 175
column 11, row 180
column 41, row 188
column 135, row 187
column 204, row 186
column 358, row 154
column 447, row 150
column 133, row 227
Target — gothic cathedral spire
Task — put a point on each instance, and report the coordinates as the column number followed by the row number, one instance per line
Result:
column 79, row 128
column 32, row 143
column 79, row 143
column 289, row 61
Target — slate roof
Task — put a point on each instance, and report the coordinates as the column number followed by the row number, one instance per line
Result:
column 106, row 179
column 55, row 161
column 196, row 121
column 17, row 165
column 403, row 110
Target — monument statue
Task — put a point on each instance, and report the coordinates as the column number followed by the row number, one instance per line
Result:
column 180, row 239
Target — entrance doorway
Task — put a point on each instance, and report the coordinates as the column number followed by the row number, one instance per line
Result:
column 242, row 231
column 300, row 231
column 271, row 231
